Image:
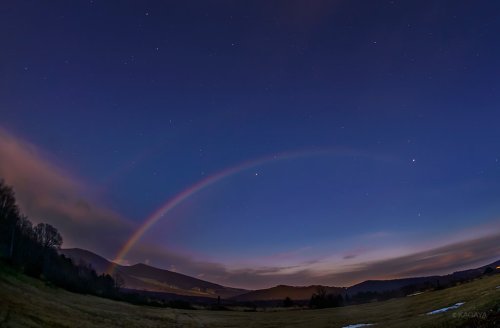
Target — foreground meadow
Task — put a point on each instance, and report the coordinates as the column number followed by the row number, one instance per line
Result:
column 27, row 302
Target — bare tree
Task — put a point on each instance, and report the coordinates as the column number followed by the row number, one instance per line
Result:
column 47, row 235
column 119, row 281
column 9, row 215
column 8, row 208
column 25, row 226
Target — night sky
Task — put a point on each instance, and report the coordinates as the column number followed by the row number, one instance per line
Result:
column 342, row 140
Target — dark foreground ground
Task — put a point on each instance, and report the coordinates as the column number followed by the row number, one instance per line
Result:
column 26, row 302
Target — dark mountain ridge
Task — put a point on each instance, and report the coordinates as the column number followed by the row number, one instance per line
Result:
column 142, row 277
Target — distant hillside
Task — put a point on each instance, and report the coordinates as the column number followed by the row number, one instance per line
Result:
column 381, row 286
column 145, row 277
column 78, row 255
column 282, row 291
column 148, row 278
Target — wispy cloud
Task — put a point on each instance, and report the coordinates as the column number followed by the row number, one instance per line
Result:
column 48, row 193
column 438, row 260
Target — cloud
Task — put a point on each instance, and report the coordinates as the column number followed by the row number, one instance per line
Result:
column 355, row 253
column 446, row 258
column 181, row 262
column 438, row 260
column 47, row 193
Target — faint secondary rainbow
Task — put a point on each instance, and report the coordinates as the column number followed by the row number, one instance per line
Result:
column 202, row 184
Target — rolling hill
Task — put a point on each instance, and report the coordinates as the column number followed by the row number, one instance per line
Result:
column 381, row 286
column 282, row 291
column 28, row 302
column 279, row 293
column 144, row 277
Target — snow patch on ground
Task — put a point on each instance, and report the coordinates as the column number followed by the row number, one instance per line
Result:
column 414, row 294
column 453, row 307
column 358, row 325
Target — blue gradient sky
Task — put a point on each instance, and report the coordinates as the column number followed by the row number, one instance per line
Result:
column 140, row 100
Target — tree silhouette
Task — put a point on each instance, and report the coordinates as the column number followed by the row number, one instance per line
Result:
column 287, row 302
column 321, row 299
column 488, row 271
column 47, row 236
column 8, row 208
column 119, row 281
column 9, row 215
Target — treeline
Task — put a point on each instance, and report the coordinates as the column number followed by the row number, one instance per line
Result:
column 34, row 251
column 321, row 299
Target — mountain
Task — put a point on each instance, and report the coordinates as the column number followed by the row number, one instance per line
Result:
column 282, row 291
column 83, row 256
column 144, row 277
column 279, row 293
column 381, row 286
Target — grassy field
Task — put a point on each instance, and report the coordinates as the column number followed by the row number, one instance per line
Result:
column 26, row 302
